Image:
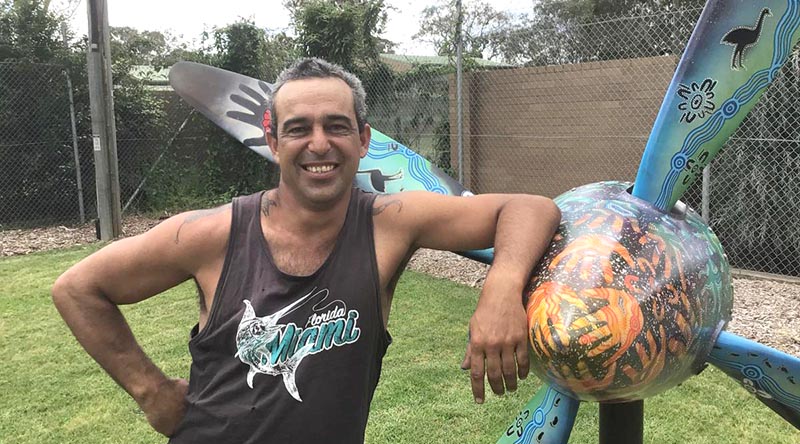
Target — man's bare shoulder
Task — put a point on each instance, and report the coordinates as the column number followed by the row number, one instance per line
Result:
column 191, row 237
column 201, row 225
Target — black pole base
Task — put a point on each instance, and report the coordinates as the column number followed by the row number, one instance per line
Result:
column 622, row 423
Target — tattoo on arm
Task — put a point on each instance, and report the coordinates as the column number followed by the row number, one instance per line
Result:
column 380, row 207
column 266, row 202
column 199, row 214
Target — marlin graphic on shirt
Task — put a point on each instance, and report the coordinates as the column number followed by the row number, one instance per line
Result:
column 252, row 343
column 277, row 349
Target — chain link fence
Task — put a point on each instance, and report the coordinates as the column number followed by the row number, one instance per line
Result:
column 39, row 152
column 552, row 109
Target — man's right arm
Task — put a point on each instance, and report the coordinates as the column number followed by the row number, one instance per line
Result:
column 129, row 271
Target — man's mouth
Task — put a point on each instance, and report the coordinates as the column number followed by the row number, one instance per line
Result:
column 319, row 169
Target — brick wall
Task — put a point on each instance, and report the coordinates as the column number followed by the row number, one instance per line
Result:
column 547, row 129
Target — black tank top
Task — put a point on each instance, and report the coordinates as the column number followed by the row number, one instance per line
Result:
column 288, row 359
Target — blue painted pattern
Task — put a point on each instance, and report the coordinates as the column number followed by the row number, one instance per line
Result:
column 758, row 82
column 418, row 167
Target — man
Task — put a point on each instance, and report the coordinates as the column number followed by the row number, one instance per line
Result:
column 296, row 283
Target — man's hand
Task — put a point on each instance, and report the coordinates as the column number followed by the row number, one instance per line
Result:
column 498, row 344
column 166, row 407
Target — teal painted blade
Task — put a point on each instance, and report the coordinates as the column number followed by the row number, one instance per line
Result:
column 546, row 419
column 735, row 52
column 768, row 374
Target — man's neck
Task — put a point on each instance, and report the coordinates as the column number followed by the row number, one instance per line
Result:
column 291, row 214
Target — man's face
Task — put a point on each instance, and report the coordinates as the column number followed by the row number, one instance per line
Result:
column 318, row 146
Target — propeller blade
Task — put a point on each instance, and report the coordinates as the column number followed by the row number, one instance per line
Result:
column 238, row 104
column 735, row 52
column 770, row 375
column 546, row 419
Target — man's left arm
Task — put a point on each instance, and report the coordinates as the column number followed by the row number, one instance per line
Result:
column 520, row 227
column 498, row 345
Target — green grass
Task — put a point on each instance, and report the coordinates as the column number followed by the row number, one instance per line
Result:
column 52, row 392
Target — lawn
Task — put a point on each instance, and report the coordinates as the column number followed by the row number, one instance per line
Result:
column 52, row 392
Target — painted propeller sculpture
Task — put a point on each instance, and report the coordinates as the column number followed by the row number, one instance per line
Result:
column 635, row 290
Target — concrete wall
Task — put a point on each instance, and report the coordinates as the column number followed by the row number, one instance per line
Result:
column 547, row 129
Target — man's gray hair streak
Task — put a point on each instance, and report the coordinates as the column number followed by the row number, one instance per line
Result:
column 311, row 68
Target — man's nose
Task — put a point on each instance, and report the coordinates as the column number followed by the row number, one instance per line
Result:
column 319, row 143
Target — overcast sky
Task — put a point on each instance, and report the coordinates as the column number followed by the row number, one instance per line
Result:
column 190, row 17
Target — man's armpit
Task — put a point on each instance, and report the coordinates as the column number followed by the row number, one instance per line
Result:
column 197, row 215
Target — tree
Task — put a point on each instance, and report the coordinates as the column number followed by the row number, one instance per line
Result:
column 572, row 31
column 481, row 24
column 345, row 32
column 28, row 31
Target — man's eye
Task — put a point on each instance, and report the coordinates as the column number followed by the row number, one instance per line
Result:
column 339, row 128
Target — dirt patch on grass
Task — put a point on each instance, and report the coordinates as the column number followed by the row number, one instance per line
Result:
column 17, row 242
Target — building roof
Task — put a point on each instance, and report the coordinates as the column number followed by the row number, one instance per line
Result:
column 402, row 62
column 150, row 75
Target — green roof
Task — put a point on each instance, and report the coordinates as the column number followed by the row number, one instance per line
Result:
column 151, row 75
column 436, row 60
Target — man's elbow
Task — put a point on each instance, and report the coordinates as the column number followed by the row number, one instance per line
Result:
column 546, row 211
column 61, row 291
column 66, row 291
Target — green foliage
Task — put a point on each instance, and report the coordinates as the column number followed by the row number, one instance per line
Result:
column 441, row 149
column 36, row 154
column 29, row 32
column 413, row 107
column 345, row 32
column 574, row 31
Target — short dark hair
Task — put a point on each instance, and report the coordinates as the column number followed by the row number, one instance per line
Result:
column 311, row 68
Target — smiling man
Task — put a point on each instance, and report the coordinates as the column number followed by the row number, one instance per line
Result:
column 296, row 284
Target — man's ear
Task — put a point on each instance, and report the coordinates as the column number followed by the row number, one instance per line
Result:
column 273, row 145
column 365, row 136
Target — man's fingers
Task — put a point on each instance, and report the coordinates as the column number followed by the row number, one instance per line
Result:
column 509, row 369
column 465, row 364
column 476, row 374
column 494, row 372
column 523, row 360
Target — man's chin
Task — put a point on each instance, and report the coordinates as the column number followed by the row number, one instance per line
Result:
column 325, row 197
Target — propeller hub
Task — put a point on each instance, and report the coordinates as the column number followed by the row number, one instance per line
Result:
column 628, row 300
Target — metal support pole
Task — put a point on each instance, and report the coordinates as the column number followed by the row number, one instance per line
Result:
column 706, row 201
column 158, row 160
column 104, row 137
column 622, row 423
column 459, row 98
column 74, row 131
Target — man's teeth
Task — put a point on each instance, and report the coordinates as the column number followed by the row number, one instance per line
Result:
column 320, row 169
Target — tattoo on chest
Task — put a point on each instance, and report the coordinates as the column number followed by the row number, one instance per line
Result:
column 266, row 203
column 196, row 215
column 380, row 207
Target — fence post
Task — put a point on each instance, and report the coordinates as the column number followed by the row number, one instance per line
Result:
column 74, row 130
column 459, row 101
